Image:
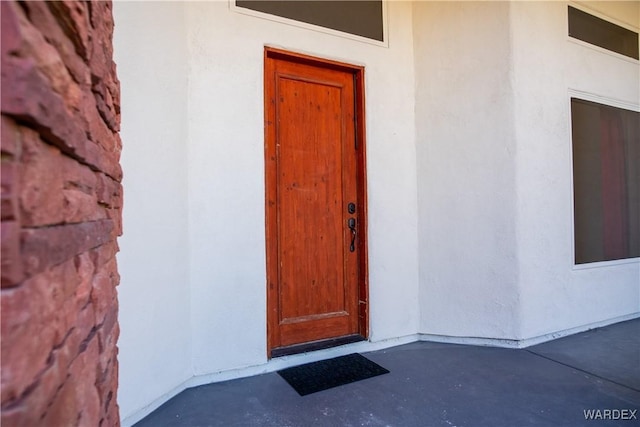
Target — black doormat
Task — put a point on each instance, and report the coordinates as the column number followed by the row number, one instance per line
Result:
column 325, row 374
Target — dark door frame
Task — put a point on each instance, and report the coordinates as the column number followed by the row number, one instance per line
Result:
column 270, row 178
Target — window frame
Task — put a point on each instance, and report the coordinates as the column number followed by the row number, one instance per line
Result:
column 611, row 102
column 602, row 16
column 317, row 28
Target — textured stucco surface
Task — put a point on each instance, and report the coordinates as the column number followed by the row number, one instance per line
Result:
column 469, row 181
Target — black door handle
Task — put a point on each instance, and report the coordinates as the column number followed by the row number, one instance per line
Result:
column 352, row 226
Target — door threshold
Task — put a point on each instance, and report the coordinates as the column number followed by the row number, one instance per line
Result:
column 315, row 345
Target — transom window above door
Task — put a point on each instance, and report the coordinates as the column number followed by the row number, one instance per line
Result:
column 363, row 18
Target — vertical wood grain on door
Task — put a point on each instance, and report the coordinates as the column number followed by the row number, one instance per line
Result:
column 312, row 171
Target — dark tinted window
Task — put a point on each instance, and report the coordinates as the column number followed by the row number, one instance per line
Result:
column 606, row 181
column 599, row 32
column 362, row 18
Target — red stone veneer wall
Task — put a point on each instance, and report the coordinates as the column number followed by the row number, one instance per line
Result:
column 61, row 214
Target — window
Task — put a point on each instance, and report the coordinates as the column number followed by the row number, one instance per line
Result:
column 360, row 17
column 599, row 32
column 606, row 181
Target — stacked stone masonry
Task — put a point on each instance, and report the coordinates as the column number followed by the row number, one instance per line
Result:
column 61, row 214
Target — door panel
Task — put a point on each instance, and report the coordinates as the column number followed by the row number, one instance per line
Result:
column 314, row 280
column 310, row 197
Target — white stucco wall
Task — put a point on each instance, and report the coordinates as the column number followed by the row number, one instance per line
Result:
column 155, row 340
column 493, row 84
column 226, row 177
column 550, row 68
column 466, row 169
column 469, row 181
column 192, row 83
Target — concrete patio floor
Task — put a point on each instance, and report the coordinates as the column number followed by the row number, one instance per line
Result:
column 432, row 384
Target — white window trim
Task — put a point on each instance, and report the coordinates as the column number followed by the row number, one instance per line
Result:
column 612, row 102
column 318, row 28
column 586, row 7
column 608, row 18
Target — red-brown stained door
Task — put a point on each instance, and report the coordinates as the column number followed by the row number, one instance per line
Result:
column 311, row 172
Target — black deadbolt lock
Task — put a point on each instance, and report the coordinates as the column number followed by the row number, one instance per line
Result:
column 351, row 207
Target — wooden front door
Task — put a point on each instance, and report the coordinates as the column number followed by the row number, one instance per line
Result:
column 315, row 202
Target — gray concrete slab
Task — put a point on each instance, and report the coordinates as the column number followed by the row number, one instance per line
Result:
column 611, row 352
column 434, row 384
